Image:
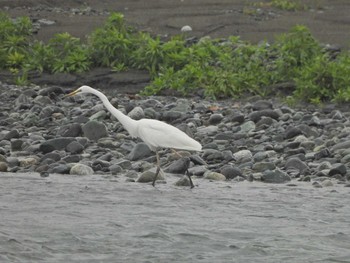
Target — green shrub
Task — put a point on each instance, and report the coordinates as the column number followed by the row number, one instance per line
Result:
column 111, row 44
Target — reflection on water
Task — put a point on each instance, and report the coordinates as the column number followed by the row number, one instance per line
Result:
column 95, row 219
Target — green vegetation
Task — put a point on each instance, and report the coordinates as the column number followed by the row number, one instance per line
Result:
column 220, row 67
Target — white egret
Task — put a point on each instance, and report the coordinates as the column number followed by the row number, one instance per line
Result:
column 156, row 134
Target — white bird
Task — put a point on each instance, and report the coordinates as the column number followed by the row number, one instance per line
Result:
column 156, row 134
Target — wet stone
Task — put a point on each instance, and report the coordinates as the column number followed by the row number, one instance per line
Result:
column 230, row 172
column 81, row 169
column 276, row 176
column 214, row 176
column 94, row 130
column 3, row 167
column 140, row 151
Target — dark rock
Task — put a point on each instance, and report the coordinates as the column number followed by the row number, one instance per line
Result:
column 197, row 170
column 72, row 158
column 12, row 134
column 140, row 151
column 255, row 116
column 294, row 163
column 52, row 155
column 60, row 169
column 239, row 118
column 52, row 91
column 16, row 145
column 262, row 105
column 171, row 116
column 55, row 144
column 70, row 130
column 276, row 176
column 94, row 130
column 74, row 147
column 338, row 169
column 341, row 145
column 230, row 171
column 324, row 153
column 196, row 159
column 215, row 118
column 291, row 132
column 180, row 166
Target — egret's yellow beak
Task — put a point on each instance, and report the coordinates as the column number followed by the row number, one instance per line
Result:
column 72, row 93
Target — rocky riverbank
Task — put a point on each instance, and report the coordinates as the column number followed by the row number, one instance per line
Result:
column 256, row 140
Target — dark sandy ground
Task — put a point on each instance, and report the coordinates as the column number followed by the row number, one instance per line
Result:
column 329, row 20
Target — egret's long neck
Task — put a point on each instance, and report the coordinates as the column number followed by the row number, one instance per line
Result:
column 128, row 123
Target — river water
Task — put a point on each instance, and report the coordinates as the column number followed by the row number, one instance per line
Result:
column 100, row 219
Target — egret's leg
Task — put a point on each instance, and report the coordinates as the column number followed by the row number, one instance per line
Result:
column 189, row 177
column 158, row 169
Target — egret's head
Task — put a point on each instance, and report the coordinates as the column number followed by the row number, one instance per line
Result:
column 82, row 89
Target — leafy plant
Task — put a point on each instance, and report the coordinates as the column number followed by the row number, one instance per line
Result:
column 111, row 44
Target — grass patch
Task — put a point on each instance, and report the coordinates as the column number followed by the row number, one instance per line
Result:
column 219, row 67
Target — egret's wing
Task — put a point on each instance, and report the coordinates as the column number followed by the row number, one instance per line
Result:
column 160, row 134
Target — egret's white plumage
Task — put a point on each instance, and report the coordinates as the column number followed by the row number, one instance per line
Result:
column 156, row 134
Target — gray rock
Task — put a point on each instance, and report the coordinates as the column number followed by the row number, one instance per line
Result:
column 276, row 176
column 206, row 131
column 29, row 161
column 115, row 169
column 51, row 91
column 184, row 181
column 255, row 116
column 263, row 166
column 247, row 126
column 214, row 176
column 243, row 156
column 180, row 166
column 197, row 170
column 70, row 130
column 324, row 153
column 170, row 116
column 292, row 132
column 81, row 169
column 12, row 161
column 125, row 164
column 338, row 169
column 182, row 105
column 94, row 130
column 60, row 169
column 136, row 113
column 98, row 116
column 12, row 134
column 341, row 145
column 16, row 145
column 230, row 171
column 215, row 118
column 239, row 118
column 55, row 144
column 3, row 167
column 295, row 163
column 73, row 158
column 140, row 151
column 52, row 155
column 148, row 176
column 327, row 183
column 211, row 155
column 74, row 147
column 30, row 120
column 262, row 105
